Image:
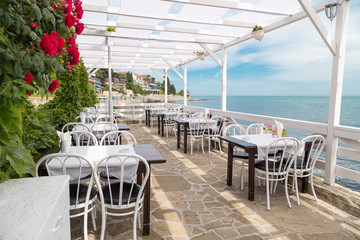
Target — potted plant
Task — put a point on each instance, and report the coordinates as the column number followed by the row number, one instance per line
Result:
column 200, row 54
column 111, row 30
column 258, row 32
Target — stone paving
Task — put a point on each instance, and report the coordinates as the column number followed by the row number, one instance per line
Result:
column 190, row 200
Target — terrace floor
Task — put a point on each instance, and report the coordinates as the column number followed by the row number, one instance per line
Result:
column 190, row 200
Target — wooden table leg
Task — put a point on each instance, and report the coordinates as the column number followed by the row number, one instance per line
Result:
column 251, row 177
column 146, row 202
column 185, row 137
column 230, row 164
column 162, row 125
column 178, row 135
column 158, row 117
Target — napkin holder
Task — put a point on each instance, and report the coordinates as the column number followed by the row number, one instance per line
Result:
column 66, row 142
column 279, row 127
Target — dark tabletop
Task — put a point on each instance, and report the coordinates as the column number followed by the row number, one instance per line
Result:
column 123, row 126
column 150, row 153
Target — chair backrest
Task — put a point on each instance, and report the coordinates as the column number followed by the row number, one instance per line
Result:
column 118, row 138
column 183, row 116
column 74, row 126
column 217, row 127
column 74, row 165
column 234, row 129
column 125, row 192
column 285, row 150
column 101, row 128
column 83, row 138
column 315, row 144
column 106, row 118
column 257, row 128
column 198, row 125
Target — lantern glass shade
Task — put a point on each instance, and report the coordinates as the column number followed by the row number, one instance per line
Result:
column 331, row 10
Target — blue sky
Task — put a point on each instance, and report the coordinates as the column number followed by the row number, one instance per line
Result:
column 292, row 60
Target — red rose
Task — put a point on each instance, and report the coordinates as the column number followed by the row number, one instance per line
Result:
column 61, row 43
column 71, row 40
column 74, row 52
column 78, row 9
column 54, row 33
column 53, row 86
column 28, row 93
column 70, row 20
column 49, row 44
column 54, row 6
column 28, row 78
column 70, row 68
column 79, row 28
column 34, row 25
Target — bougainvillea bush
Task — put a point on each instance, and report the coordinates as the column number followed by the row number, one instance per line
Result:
column 37, row 39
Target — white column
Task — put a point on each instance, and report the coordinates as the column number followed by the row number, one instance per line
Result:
column 110, row 78
column 166, row 87
column 223, row 79
column 185, row 85
column 336, row 92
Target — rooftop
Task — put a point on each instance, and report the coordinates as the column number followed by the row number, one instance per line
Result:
column 190, row 200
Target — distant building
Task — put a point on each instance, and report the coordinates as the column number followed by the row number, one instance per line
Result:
column 96, row 81
column 119, row 83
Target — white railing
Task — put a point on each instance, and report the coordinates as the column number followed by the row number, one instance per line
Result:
column 350, row 135
column 132, row 111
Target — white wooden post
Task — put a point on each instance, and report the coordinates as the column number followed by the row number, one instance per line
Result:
column 185, row 85
column 336, row 92
column 110, row 77
column 223, row 79
column 166, row 87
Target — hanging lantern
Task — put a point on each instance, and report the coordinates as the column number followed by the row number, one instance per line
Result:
column 331, row 8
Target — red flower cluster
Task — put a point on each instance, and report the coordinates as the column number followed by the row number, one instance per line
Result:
column 34, row 25
column 70, row 20
column 28, row 93
column 52, row 43
column 53, row 86
column 73, row 51
column 79, row 28
column 28, row 78
column 70, row 68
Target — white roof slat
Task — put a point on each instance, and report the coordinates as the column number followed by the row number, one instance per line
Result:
column 148, row 7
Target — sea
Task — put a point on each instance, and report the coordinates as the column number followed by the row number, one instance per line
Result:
column 307, row 108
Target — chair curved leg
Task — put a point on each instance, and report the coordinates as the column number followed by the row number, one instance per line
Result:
column 296, row 187
column 267, row 193
column 191, row 146
column 93, row 218
column 220, row 145
column 134, row 223
column 312, row 185
column 286, row 191
column 202, row 144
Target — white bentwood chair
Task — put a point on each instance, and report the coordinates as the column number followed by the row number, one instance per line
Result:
column 276, row 167
column 257, row 128
column 82, row 196
column 118, row 138
column 197, row 126
column 101, row 128
column 106, row 118
column 215, row 127
column 125, row 194
column 305, row 163
column 82, row 138
column 74, row 126
column 239, row 155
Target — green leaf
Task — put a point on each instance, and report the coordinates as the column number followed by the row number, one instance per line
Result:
column 27, row 61
column 21, row 160
column 17, row 68
column 59, row 68
column 46, row 14
column 26, row 30
column 52, row 19
column 36, row 11
column 34, row 36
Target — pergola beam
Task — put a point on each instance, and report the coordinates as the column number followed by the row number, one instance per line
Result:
column 149, row 27
column 319, row 26
column 99, row 61
column 173, row 68
column 211, row 53
column 271, row 27
column 101, row 33
column 116, row 11
column 229, row 5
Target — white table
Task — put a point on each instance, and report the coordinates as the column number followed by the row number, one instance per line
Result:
column 262, row 141
column 93, row 154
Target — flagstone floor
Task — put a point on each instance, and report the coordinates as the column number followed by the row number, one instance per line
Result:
column 190, row 200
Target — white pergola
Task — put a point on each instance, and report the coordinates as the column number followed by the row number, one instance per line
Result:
column 163, row 34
